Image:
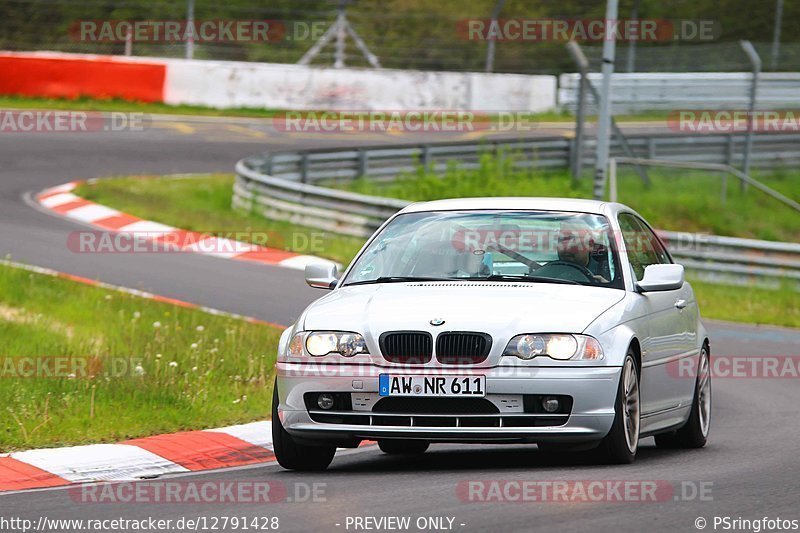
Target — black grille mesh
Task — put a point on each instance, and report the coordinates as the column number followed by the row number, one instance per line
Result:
column 463, row 348
column 408, row 347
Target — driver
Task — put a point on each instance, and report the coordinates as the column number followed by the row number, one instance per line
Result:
column 575, row 244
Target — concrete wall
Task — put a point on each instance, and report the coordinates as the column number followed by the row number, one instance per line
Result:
column 237, row 84
column 226, row 84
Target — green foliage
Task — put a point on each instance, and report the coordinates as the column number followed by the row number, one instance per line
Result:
column 403, row 33
column 150, row 367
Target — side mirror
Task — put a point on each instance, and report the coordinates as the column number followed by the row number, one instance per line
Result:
column 661, row 278
column 322, row 275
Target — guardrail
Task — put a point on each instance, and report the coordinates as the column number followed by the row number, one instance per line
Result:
column 387, row 162
column 731, row 259
column 281, row 186
column 690, row 90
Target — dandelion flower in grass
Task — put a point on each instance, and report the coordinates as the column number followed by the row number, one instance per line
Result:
column 137, row 314
column 193, row 346
column 237, row 400
column 173, row 364
column 139, row 369
column 194, row 369
column 71, row 376
column 156, row 324
column 158, row 356
column 244, row 398
column 200, row 328
column 108, row 297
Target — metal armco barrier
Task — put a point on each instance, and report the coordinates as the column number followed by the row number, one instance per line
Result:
column 718, row 258
column 687, row 90
column 281, row 186
column 387, row 162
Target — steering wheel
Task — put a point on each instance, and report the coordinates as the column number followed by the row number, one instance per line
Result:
column 582, row 270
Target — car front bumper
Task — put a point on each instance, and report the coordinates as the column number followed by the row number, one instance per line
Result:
column 593, row 391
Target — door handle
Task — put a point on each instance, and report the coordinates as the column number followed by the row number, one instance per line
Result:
column 680, row 304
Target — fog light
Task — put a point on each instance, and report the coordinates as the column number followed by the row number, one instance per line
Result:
column 325, row 401
column 550, row 404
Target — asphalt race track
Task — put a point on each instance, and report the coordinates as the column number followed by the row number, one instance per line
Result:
column 750, row 465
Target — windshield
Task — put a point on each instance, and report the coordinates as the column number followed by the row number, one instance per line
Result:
column 526, row 246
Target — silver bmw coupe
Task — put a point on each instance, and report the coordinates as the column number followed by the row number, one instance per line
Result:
column 559, row 322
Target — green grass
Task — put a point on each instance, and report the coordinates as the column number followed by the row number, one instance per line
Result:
column 108, row 105
column 197, row 370
column 749, row 304
column 677, row 200
column 203, row 203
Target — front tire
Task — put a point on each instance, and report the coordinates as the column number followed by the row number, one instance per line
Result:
column 694, row 434
column 290, row 454
column 402, row 447
column 622, row 442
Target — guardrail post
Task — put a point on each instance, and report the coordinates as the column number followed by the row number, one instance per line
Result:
column 729, row 150
column 426, row 157
column 651, row 148
column 612, row 179
column 724, row 193
column 304, row 168
column 268, row 165
column 755, row 61
column 576, row 147
column 363, row 163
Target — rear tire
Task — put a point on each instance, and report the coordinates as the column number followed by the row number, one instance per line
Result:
column 694, row 434
column 290, row 454
column 403, row 447
column 622, row 442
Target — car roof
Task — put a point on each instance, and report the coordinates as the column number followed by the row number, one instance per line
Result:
column 513, row 203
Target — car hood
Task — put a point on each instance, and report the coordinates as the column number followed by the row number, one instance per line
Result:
column 500, row 309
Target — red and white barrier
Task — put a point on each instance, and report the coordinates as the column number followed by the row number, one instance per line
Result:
column 231, row 84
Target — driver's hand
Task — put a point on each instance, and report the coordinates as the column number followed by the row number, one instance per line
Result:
column 600, row 279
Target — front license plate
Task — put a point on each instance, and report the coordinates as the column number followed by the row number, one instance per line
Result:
column 432, row 386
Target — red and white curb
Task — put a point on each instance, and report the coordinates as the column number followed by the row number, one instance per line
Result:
column 62, row 201
column 134, row 459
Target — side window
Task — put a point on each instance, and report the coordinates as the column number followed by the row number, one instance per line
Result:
column 641, row 245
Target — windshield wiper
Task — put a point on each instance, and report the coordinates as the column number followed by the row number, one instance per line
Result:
column 395, row 279
column 515, row 277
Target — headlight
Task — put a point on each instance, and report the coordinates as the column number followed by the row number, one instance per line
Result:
column 555, row 346
column 321, row 343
